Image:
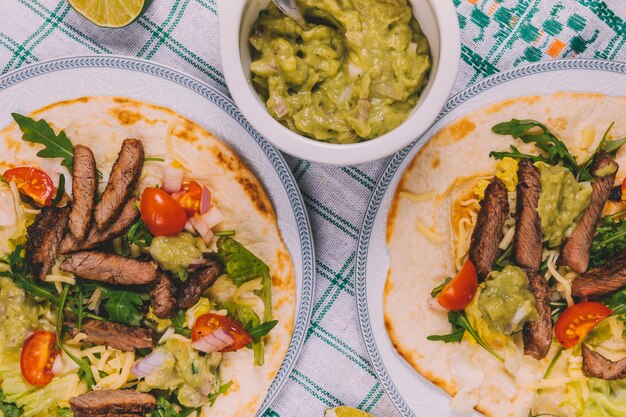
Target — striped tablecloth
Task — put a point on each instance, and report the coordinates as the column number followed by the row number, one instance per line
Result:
column 183, row 34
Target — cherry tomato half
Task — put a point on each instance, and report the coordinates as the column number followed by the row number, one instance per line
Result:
column 161, row 213
column 458, row 293
column 208, row 323
column 578, row 320
column 189, row 197
column 32, row 182
column 38, row 355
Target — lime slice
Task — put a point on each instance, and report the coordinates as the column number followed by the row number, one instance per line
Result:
column 109, row 13
column 345, row 411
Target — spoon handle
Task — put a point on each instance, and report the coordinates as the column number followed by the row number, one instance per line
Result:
column 291, row 9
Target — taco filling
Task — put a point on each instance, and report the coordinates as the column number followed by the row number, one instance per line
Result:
column 538, row 276
column 124, row 287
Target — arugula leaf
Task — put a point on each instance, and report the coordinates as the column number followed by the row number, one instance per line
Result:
column 179, row 324
column 166, row 409
column 139, row 235
column 19, row 273
column 435, row 292
column 531, row 131
column 241, row 264
column 85, row 370
column 617, row 302
column 55, row 146
column 260, row 331
column 224, row 233
column 516, row 154
column 609, row 241
column 460, row 325
column 124, row 306
column 7, row 408
column 222, row 390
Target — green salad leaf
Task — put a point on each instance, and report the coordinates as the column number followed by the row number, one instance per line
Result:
column 7, row 408
column 460, row 325
column 532, row 131
column 435, row 292
column 39, row 131
column 124, row 306
column 252, row 323
column 241, row 264
column 166, row 409
column 609, row 241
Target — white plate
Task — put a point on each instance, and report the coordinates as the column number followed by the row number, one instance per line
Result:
column 412, row 394
column 44, row 83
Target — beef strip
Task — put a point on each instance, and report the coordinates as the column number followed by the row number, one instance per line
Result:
column 575, row 249
column 116, row 335
column 527, row 238
column 84, row 186
column 122, row 180
column 537, row 334
column 112, row 402
column 198, row 282
column 488, row 233
column 163, row 301
column 126, row 218
column 602, row 280
column 43, row 238
column 112, row 269
column 597, row 366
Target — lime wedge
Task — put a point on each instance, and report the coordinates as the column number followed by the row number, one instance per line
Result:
column 345, row 411
column 109, row 13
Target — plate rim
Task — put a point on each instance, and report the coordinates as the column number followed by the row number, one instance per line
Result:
column 390, row 172
column 118, row 62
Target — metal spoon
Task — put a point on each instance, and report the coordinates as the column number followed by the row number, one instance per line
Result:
column 291, row 9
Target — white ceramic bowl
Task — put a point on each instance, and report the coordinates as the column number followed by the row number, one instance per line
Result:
column 437, row 19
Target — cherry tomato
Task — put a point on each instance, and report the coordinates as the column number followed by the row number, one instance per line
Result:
column 161, row 213
column 578, row 320
column 38, row 355
column 32, row 182
column 458, row 293
column 190, row 197
column 208, row 323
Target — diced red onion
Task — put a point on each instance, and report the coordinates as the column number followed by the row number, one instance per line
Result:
column 205, row 222
column 149, row 364
column 205, row 200
column 172, row 179
column 57, row 366
column 214, row 342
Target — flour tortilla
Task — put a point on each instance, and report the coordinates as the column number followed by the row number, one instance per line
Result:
column 102, row 123
column 447, row 165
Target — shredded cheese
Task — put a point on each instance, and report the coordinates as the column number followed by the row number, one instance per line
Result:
column 17, row 202
column 60, row 278
column 93, row 303
column 417, row 197
column 507, row 239
column 564, row 285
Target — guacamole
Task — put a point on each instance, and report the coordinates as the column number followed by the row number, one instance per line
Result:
column 506, row 301
column 561, row 203
column 354, row 74
column 175, row 253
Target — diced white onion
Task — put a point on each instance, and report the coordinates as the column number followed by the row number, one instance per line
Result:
column 205, row 222
column 149, row 364
column 172, row 179
column 57, row 366
column 354, row 70
column 434, row 304
column 213, row 342
column 345, row 95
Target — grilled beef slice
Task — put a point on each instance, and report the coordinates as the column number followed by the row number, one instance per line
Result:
column 597, row 366
column 126, row 218
column 527, row 238
column 112, row 402
column 43, row 239
column 122, row 180
column 198, row 282
column 112, row 269
column 601, row 280
column 575, row 249
column 537, row 335
column 163, row 301
column 84, row 187
column 488, row 232
column 116, row 335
